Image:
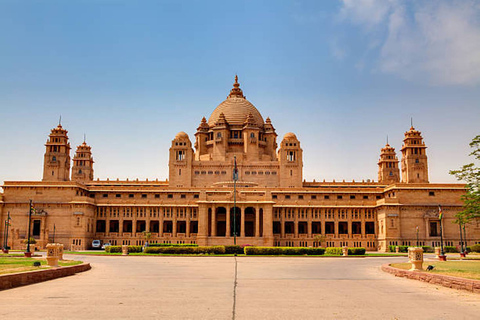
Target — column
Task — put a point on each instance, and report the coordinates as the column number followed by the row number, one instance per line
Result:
column 202, row 225
column 267, row 225
column 309, row 222
column 228, row 231
column 147, row 218
column 174, row 222
column 295, row 228
column 187, row 218
column 257, row 222
column 242, row 225
column 282, row 222
column 161, row 212
column 214, row 222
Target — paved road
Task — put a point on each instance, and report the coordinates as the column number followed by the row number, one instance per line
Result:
column 268, row 288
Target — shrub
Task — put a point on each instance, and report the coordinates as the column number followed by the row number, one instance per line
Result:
column 32, row 241
column 334, row 251
column 291, row 251
column 113, row 249
column 234, row 249
column 134, row 249
column 404, row 249
column 474, row 248
column 428, row 249
column 172, row 245
column 186, row 250
column 356, row 251
column 450, row 249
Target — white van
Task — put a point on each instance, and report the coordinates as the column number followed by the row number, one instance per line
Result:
column 96, row 244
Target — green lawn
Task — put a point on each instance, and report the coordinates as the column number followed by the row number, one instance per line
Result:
column 463, row 269
column 22, row 264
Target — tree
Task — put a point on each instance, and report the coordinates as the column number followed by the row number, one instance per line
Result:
column 470, row 173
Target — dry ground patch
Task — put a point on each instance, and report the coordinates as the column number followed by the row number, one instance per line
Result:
column 459, row 268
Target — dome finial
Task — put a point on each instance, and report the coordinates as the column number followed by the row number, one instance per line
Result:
column 236, row 91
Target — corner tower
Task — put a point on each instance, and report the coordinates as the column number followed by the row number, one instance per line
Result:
column 180, row 162
column 414, row 158
column 82, row 170
column 56, row 163
column 290, row 158
column 388, row 170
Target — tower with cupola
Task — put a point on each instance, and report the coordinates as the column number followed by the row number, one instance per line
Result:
column 290, row 157
column 56, row 163
column 180, row 162
column 388, row 170
column 414, row 158
column 82, row 170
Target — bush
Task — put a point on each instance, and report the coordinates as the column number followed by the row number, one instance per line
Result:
column 450, row 249
column 186, row 250
column 334, row 251
column 404, row 249
column 118, row 249
column 474, row 248
column 234, row 249
column 172, row 245
column 274, row 251
column 356, row 251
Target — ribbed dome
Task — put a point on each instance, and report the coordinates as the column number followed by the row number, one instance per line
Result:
column 290, row 136
column 236, row 109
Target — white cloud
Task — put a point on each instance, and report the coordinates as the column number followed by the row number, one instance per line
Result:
column 437, row 42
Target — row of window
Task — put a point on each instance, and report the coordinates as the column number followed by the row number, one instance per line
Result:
column 166, row 226
column 326, row 197
column 145, row 195
column 290, row 213
column 166, row 212
column 330, row 227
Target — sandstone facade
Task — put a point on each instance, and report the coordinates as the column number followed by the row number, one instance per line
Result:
column 274, row 205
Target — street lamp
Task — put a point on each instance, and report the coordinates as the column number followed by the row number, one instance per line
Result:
column 440, row 217
column 28, row 253
column 235, row 178
column 416, row 231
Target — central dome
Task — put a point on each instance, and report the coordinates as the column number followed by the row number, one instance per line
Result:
column 236, row 109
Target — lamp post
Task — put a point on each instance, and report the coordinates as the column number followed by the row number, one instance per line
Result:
column 28, row 253
column 442, row 256
column 462, row 253
column 465, row 238
column 7, row 224
column 235, row 178
column 53, row 233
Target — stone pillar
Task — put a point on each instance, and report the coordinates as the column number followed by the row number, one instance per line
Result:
column 438, row 252
column 187, row 217
column 345, row 251
column 52, row 254
column 174, row 222
column 124, row 250
column 60, row 251
column 267, row 225
column 257, row 222
column 202, row 234
column 161, row 212
column 228, row 231
column 242, row 224
column 415, row 255
column 295, row 223
column 214, row 221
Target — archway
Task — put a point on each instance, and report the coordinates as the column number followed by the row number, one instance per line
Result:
column 235, row 223
column 221, row 219
column 249, row 222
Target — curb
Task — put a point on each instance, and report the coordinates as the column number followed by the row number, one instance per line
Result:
column 13, row 280
column 438, row 279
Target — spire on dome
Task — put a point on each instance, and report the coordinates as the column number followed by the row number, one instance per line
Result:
column 236, row 91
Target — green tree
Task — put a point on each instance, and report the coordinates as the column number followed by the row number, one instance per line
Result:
column 470, row 173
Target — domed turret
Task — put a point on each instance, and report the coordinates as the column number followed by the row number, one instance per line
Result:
column 236, row 108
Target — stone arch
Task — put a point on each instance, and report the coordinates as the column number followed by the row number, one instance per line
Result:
column 249, row 223
column 237, row 222
column 221, row 221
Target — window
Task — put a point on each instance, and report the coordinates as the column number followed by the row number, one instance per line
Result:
column 339, row 197
column 183, row 196
column 416, row 161
column 105, row 195
column 54, row 158
column 180, row 155
column 433, row 229
column 378, row 197
column 313, row 197
column 287, row 196
column 144, row 196
column 131, row 195
column 157, row 196
column 290, row 156
column 252, row 135
column 118, row 195
column 352, row 197
column 219, row 135
column 195, row 196
column 431, row 194
column 274, row 196
column 326, row 197
column 365, row 197
column 36, row 227
column 300, row 197
column 170, row 196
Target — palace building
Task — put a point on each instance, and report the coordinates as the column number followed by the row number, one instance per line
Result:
column 271, row 203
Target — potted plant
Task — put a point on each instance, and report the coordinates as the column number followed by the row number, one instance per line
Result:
column 32, row 248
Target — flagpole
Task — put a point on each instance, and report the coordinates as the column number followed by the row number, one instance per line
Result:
column 29, row 226
column 7, row 225
column 53, row 233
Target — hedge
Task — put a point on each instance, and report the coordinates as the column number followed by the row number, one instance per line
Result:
column 474, row 248
column 334, row 251
column 118, row 249
column 274, row 251
column 172, row 245
column 404, row 249
column 234, row 249
column 186, row 250
column 358, row 251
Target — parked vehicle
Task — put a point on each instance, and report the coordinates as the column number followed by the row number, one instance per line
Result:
column 96, row 244
column 105, row 245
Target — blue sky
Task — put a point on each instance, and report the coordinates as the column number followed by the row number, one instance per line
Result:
column 342, row 75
